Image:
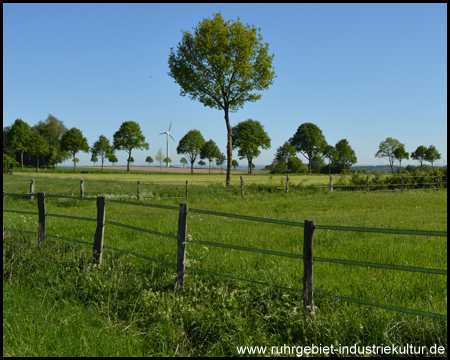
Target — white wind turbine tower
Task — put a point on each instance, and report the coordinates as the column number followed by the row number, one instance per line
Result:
column 168, row 134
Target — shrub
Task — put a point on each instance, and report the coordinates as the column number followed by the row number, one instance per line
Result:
column 8, row 164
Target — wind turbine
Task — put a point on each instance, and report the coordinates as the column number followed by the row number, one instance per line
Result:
column 168, row 134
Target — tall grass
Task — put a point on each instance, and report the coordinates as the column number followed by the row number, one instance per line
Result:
column 131, row 302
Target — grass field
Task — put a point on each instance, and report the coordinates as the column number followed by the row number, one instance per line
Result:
column 55, row 303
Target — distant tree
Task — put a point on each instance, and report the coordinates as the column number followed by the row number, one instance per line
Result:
column 38, row 146
column 220, row 160
column 73, row 141
column 400, row 154
column 167, row 160
column 309, row 141
column 94, row 159
column 221, row 64
column 129, row 137
column 386, row 150
column 183, row 161
column 329, row 152
column 201, row 163
column 20, row 137
column 52, row 129
column 235, row 164
column 345, row 155
column 432, row 155
column 420, row 155
column 160, row 157
column 102, row 147
column 113, row 159
column 317, row 163
column 149, row 160
column 284, row 153
column 190, row 145
column 248, row 137
column 209, row 151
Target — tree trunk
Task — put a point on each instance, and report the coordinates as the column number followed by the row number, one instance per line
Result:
column 192, row 167
column 128, row 162
column 229, row 146
column 21, row 158
column 74, row 163
column 103, row 159
column 37, row 162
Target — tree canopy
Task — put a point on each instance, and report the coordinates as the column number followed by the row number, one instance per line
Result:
column 102, row 147
column 209, row 151
column 420, row 154
column 386, row 150
column 309, row 141
column 284, row 153
column 73, row 141
column 249, row 136
column 221, row 64
column 129, row 137
column 190, row 145
column 432, row 155
column 344, row 154
column 20, row 137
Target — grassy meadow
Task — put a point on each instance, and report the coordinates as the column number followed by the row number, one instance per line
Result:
column 56, row 303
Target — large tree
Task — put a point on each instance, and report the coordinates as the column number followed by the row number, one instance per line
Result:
column 221, row 64
column 420, row 154
column 249, row 136
column 432, row 155
column 209, row 151
column 52, row 129
column 386, row 150
column 284, row 153
column 400, row 154
column 73, row 141
column 345, row 155
column 129, row 137
column 190, row 145
column 20, row 137
column 309, row 141
column 102, row 147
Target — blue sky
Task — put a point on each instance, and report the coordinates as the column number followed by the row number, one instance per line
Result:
column 361, row 72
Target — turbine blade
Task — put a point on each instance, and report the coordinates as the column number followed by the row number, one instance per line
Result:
column 169, row 126
column 162, row 133
column 172, row 137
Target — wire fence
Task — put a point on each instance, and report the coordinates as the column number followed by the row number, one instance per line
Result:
column 182, row 242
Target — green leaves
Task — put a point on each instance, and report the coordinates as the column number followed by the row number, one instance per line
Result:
column 129, row 137
column 308, row 140
column 73, row 141
column 190, row 145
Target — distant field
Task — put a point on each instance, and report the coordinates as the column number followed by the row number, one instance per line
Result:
column 132, row 301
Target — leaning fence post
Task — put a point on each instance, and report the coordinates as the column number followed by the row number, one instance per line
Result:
column 186, row 189
column 32, row 189
column 402, row 183
column 81, row 187
column 181, row 239
column 308, row 265
column 242, row 187
column 287, row 183
column 42, row 214
column 99, row 232
column 138, row 190
column 331, row 183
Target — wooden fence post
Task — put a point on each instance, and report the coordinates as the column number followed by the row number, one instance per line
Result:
column 139, row 190
column 308, row 265
column 42, row 215
column 367, row 183
column 402, row 183
column 331, row 183
column 186, row 189
column 242, row 187
column 99, row 232
column 81, row 187
column 287, row 183
column 181, row 239
column 32, row 189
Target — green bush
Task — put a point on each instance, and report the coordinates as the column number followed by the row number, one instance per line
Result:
column 8, row 164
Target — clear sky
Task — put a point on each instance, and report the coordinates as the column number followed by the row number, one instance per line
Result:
column 361, row 72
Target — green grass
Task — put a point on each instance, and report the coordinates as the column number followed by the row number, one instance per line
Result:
column 132, row 302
